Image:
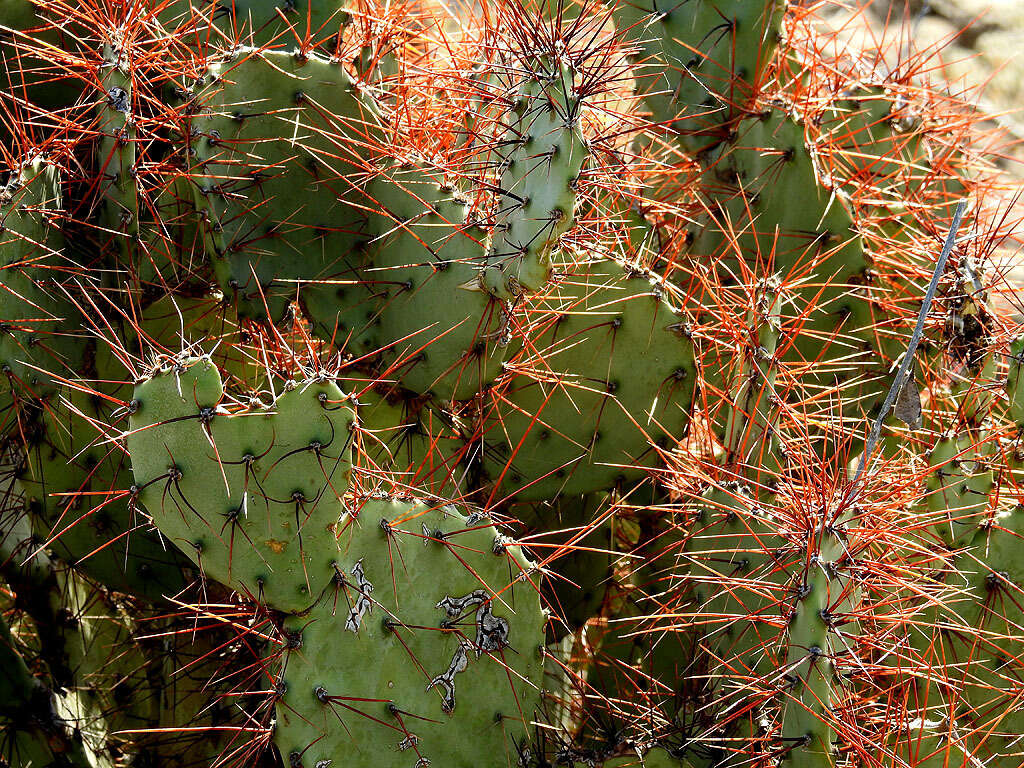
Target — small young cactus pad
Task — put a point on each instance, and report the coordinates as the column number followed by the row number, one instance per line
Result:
column 543, row 155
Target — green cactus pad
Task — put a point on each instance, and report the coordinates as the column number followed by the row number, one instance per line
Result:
column 24, row 742
column 174, row 325
column 412, row 444
column 282, row 23
column 17, row 15
column 153, row 685
column 107, row 665
column 608, row 373
column 186, row 708
column 378, row 259
column 765, row 167
column 169, row 258
column 424, row 650
column 881, row 153
column 252, row 497
column 732, row 540
column 417, row 299
column 970, row 639
column 702, row 61
column 38, row 324
column 819, row 597
column 275, row 153
column 877, row 149
column 655, row 758
column 116, row 149
column 750, row 184
column 1015, row 382
column 958, row 486
column 32, row 86
column 727, row 574
column 926, row 748
column 749, row 433
column 541, row 157
column 82, row 636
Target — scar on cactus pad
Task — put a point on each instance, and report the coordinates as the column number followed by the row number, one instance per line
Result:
column 427, row 641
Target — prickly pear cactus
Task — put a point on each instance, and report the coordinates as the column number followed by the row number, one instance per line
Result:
column 542, row 154
column 362, row 579
column 71, row 492
column 260, row 238
column 39, row 344
column 307, row 308
column 710, row 58
column 445, row 336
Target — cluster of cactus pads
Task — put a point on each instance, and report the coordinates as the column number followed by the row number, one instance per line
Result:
column 501, row 384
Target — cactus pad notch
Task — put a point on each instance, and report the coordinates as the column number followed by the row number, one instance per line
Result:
column 252, row 497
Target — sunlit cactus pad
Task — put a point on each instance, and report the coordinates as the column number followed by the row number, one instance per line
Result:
column 253, row 497
column 608, row 378
column 505, row 384
column 430, row 631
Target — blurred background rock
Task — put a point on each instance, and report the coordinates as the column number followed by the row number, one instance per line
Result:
column 977, row 48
